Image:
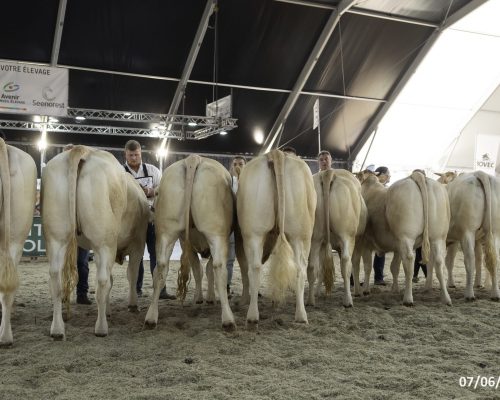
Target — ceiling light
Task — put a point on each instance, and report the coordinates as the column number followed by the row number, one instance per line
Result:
column 258, row 136
column 80, row 118
column 52, row 119
column 127, row 114
column 192, row 123
column 223, row 133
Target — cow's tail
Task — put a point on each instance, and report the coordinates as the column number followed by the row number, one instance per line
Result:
column 420, row 180
column 283, row 272
column 76, row 156
column 9, row 280
column 327, row 179
column 191, row 162
column 489, row 254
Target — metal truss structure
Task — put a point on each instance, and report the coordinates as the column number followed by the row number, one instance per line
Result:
column 123, row 123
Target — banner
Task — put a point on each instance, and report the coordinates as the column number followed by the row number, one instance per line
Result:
column 34, row 246
column 33, row 89
column 220, row 108
column 316, row 114
column 486, row 153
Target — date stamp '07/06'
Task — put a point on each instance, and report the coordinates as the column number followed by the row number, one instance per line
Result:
column 479, row 381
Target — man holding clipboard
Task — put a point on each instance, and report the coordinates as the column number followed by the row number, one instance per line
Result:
column 148, row 177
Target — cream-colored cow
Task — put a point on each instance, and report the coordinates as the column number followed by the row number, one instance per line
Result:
column 17, row 204
column 341, row 215
column 414, row 211
column 89, row 199
column 194, row 198
column 276, row 202
column 475, row 222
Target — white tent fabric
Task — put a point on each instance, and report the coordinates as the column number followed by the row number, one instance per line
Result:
column 429, row 121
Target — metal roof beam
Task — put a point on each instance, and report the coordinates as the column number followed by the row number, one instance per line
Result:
column 229, row 85
column 61, row 13
column 193, row 54
column 328, row 29
column 361, row 11
column 410, row 71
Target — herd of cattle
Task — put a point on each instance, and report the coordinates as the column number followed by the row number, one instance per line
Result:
column 282, row 216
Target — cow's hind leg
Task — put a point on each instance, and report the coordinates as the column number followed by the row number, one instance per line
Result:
column 56, row 251
column 106, row 257
column 451, row 252
column 312, row 271
column 395, row 265
column 219, row 250
column 210, row 281
column 346, row 268
column 468, row 243
column 493, row 270
column 164, row 247
column 6, row 338
column 438, row 248
column 253, row 250
column 408, row 258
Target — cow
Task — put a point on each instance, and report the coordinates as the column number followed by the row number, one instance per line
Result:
column 275, row 206
column 17, row 204
column 475, row 222
column 413, row 211
column 88, row 199
column 194, row 199
column 340, row 217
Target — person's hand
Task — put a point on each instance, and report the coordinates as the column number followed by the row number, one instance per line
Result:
column 147, row 191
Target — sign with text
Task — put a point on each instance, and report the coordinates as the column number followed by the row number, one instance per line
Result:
column 486, row 153
column 33, row 89
column 34, row 246
column 316, row 114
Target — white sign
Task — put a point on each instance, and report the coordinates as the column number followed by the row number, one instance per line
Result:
column 486, row 153
column 220, row 108
column 33, row 89
column 316, row 114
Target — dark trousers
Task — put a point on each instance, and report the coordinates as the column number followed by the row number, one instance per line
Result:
column 378, row 267
column 82, row 264
column 418, row 263
column 150, row 244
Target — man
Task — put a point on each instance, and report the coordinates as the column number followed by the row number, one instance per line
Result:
column 289, row 150
column 324, row 160
column 82, row 265
column 237, row 165
column 148, row 176
column 384, row 177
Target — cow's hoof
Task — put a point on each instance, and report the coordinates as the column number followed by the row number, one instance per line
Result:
column 357, row 295
column 495, row 299
column 366, row 292
column 57, row 336
column 199, row 301
column 101, row 334
column 252, row 325
column 5, row 345
column 133, row 309
column 452, row 286
column 310, row 304
column 408, row 303
column 210, row 302
column 348, row 306
column 150, row 324
column 229, row 326
column 470, row 299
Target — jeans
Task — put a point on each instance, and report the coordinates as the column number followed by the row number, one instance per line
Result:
column 230, row 259
column 418, row 263
column 150, row 244
column 378, row 267
column 82, row 264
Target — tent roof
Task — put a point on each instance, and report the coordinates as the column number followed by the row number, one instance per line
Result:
column 262, row 48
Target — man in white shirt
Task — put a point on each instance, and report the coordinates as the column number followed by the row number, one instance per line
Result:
column 324, row 160
column 148, row 176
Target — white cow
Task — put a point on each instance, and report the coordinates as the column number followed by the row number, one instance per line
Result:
column 414, row 211
column 89, row 199
column 17, row 204
column 475, row 222
column 194, row 198
column 341, row 215
column 276, row 203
